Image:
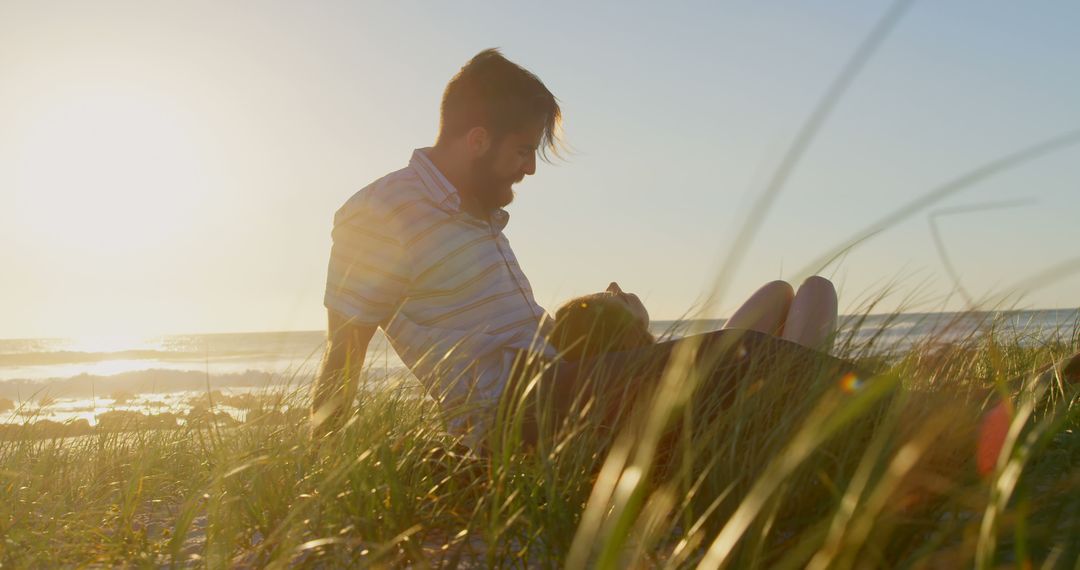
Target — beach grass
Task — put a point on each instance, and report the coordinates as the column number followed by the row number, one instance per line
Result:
column 825, row 472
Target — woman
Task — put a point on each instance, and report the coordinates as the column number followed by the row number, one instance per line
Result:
column 613, row 320
column 607, row 351
column 608, row 359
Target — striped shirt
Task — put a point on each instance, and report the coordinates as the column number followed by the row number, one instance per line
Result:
column 443, row 284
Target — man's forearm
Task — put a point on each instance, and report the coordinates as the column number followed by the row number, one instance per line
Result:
column 335, row 389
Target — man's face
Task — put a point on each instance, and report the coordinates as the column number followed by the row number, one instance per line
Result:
column 509, row 159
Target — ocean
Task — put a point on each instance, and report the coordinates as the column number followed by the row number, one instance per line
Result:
column 79, row 377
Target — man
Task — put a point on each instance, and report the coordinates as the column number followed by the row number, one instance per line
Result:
column 421, row 251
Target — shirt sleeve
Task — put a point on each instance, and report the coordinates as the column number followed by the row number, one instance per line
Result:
column 369, row 272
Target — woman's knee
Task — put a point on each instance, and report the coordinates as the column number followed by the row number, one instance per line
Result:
column 779, row 287
column 765, row 310
column 815, row 300
column 779, row 290
column 812, row 319
column 817, row 286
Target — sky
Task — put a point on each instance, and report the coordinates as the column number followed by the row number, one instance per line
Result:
column 174, row 167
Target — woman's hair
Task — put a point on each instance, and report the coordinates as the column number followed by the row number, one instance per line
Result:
column 596, row 324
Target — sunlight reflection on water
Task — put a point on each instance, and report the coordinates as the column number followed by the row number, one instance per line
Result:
column 72, row 409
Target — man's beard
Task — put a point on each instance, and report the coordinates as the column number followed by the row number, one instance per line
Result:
column 490, row 190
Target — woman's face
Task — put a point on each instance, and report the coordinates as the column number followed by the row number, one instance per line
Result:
column 630, row 301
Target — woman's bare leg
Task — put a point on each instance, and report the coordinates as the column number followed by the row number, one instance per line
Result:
column 765, row 310
column 811, row 321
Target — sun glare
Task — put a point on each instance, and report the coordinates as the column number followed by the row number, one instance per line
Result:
column 106, row 172
column 112, row 343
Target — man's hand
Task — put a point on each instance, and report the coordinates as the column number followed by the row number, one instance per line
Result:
column 335, row 389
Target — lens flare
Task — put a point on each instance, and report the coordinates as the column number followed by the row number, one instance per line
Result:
column 993, row 429
column 850, row 382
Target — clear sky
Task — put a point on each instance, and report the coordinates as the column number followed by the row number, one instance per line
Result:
column 174, row 167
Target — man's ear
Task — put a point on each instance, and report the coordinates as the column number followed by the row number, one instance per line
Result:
column 478, row 141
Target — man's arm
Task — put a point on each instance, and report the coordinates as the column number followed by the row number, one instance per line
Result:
column 335, row 389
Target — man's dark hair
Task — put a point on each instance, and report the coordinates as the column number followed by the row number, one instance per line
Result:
column 493, row 92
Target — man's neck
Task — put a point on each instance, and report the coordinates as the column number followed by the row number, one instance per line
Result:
column 457, row 173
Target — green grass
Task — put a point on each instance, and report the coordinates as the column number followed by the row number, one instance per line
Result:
column 783, row 477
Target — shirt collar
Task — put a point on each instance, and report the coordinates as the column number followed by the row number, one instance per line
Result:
column 442, row 192
column 439, row 189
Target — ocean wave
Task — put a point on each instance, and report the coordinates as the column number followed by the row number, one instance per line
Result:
column 77, row 357
column 155, row 380
column 161, row 380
